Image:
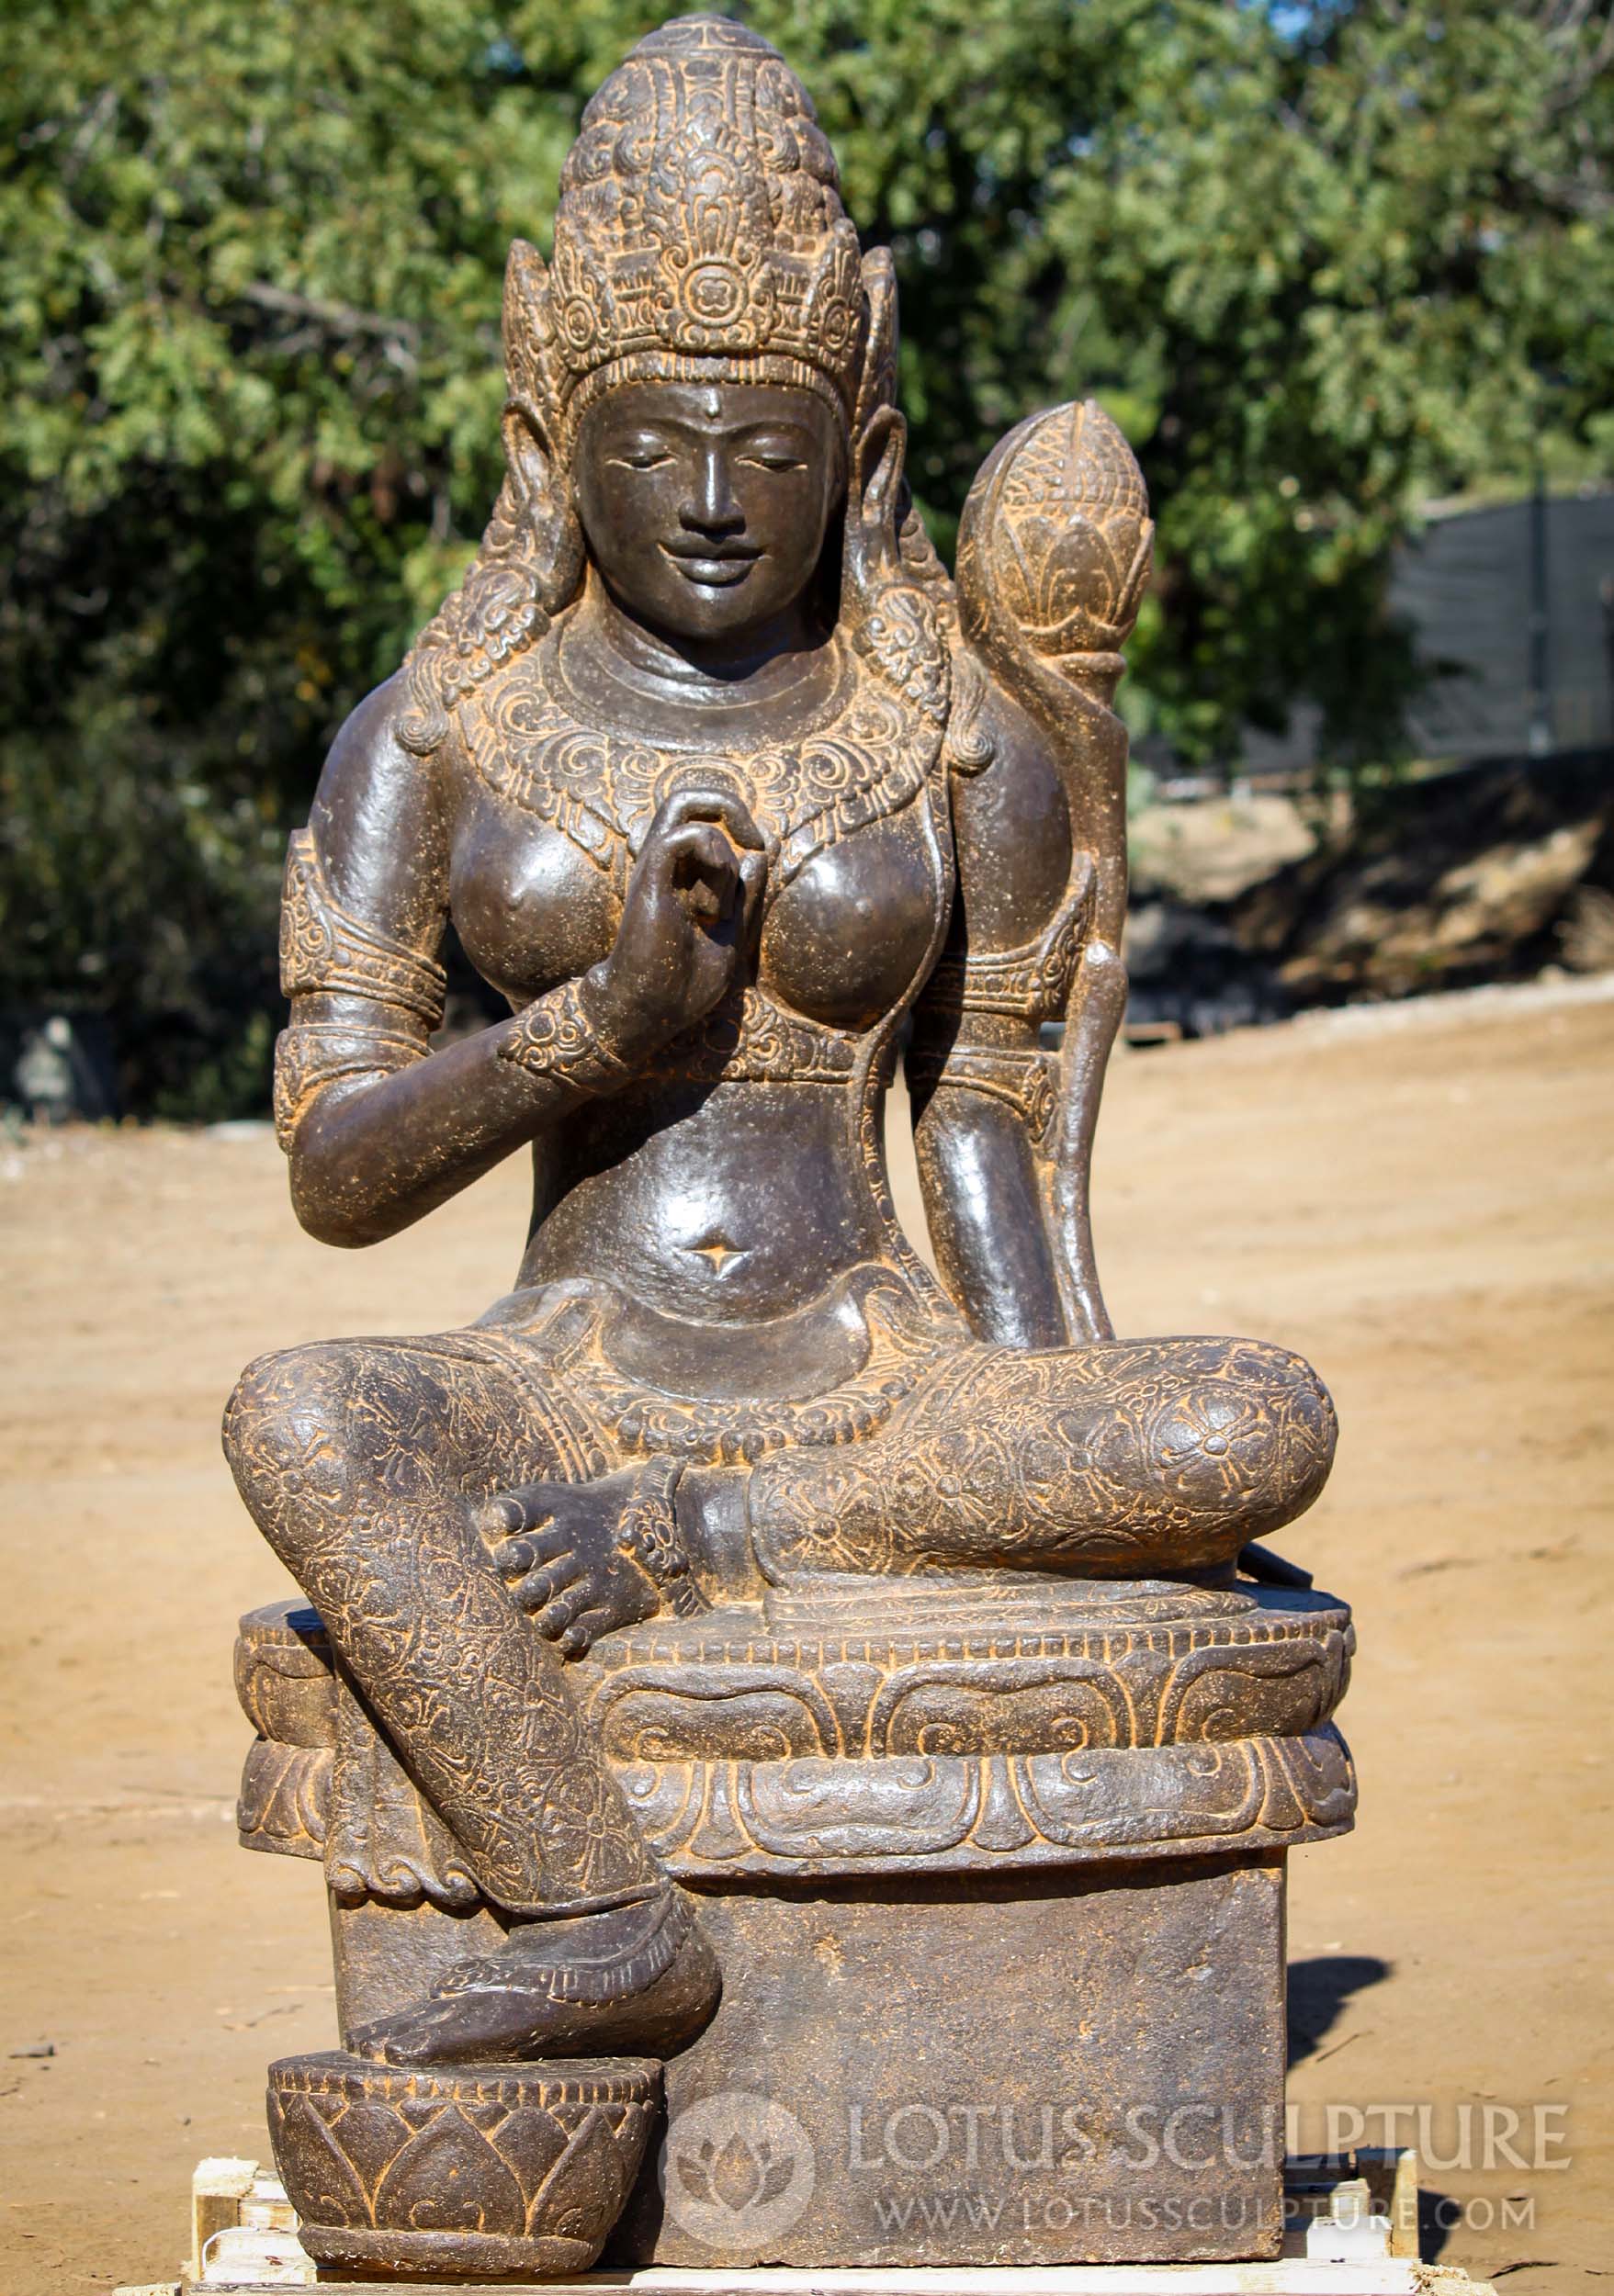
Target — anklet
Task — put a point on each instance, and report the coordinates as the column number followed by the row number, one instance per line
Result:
column 647, row 1532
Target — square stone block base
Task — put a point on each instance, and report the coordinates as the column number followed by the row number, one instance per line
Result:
column 1086, row 2068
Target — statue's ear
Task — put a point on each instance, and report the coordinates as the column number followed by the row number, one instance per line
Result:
column 527, row 455
column 534, row 503
column 877, row 381
column 877, row 498
column 879, row 454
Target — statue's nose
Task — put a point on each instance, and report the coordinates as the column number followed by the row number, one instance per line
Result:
column 712, row 508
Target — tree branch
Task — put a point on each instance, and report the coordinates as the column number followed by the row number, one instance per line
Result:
column 338, row 318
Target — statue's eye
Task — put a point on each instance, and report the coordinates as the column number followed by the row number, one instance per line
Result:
column 643, row 457
column 775, row 458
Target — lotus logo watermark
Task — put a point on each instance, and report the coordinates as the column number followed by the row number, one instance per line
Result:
column 737, row 2170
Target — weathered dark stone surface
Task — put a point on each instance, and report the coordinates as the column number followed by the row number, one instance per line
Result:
column 503, row 2169
column 1119, row 2036
column 921, row 1749
column 732, row 1553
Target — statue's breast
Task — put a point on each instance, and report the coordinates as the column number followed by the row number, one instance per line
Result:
column 843, row 940
column 531, row 907
column 554, row 810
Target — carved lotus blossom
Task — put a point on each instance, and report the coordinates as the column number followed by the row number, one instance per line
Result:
column 1058, row 526
column 1076, row 517
column 470, row 2170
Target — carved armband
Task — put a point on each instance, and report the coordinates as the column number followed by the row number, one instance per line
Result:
column 1025, row 1081
column 1031, row 983
column 327, row 950
column 648, row 1533
column 556, row 1036
column 975, row 998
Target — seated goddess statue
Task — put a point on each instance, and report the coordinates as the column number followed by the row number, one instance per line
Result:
column 731, row 795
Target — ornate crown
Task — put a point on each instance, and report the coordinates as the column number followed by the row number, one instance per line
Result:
column 700, row 220
column 700, row 237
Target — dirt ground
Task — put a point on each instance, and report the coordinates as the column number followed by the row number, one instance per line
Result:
column 1421, row 1200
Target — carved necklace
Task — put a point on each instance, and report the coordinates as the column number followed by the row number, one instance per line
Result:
column 862, row 757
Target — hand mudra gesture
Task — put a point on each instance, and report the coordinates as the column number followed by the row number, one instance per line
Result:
column 687, row 918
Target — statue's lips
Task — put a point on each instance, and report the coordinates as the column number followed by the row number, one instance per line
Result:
column 715, row 565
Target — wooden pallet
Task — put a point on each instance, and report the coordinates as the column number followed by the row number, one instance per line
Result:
column 1354, row 2232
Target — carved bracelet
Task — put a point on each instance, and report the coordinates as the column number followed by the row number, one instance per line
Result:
column 556, row 1038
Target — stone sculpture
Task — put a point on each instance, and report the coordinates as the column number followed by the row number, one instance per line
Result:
column 740, row 1663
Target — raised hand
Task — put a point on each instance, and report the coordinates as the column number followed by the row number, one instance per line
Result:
column 686, row 922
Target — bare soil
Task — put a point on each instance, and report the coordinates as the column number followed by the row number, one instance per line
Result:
column 1423, row 1202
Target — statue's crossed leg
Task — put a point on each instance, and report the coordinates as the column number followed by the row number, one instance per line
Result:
column 363, row 1463
column 1130, row 1459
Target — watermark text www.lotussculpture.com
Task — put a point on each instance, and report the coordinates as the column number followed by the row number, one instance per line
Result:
column 738, row 2170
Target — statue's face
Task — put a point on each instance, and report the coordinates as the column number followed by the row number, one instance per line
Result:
column 706, row 505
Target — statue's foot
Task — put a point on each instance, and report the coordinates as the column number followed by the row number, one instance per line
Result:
column 639, row 1980
column 584, row 1558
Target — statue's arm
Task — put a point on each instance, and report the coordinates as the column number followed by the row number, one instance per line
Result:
column 978, row 1173
column 379, row 1128
column 981, row 1083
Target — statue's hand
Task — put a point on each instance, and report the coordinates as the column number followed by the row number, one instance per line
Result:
column 556, row 1545
column 686, row 923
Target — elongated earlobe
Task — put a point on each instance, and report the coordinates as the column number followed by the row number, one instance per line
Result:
column 874, row 503
column 878, row 460
column 877, row 378
column 526, row 455
column 538, row 486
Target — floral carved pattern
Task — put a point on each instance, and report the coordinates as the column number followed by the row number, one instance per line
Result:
column 458, row 2171
column 1113, row 1459
column 1071, row 533
column 1165, row 1724
column 869, row 755
column 326, row 951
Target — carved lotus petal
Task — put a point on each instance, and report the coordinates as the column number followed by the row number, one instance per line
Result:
column 1064, row 569
column 530, row 2140
column 586, row 2187
column 327, row 2185
column 449, row 2178
column 371, row 2136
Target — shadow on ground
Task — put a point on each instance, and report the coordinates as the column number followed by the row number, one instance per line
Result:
column 1320, row 1991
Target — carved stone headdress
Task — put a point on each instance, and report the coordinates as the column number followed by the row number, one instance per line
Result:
column 699, row 237
column 700, row 222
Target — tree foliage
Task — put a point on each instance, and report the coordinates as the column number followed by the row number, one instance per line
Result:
column 1318, row 261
